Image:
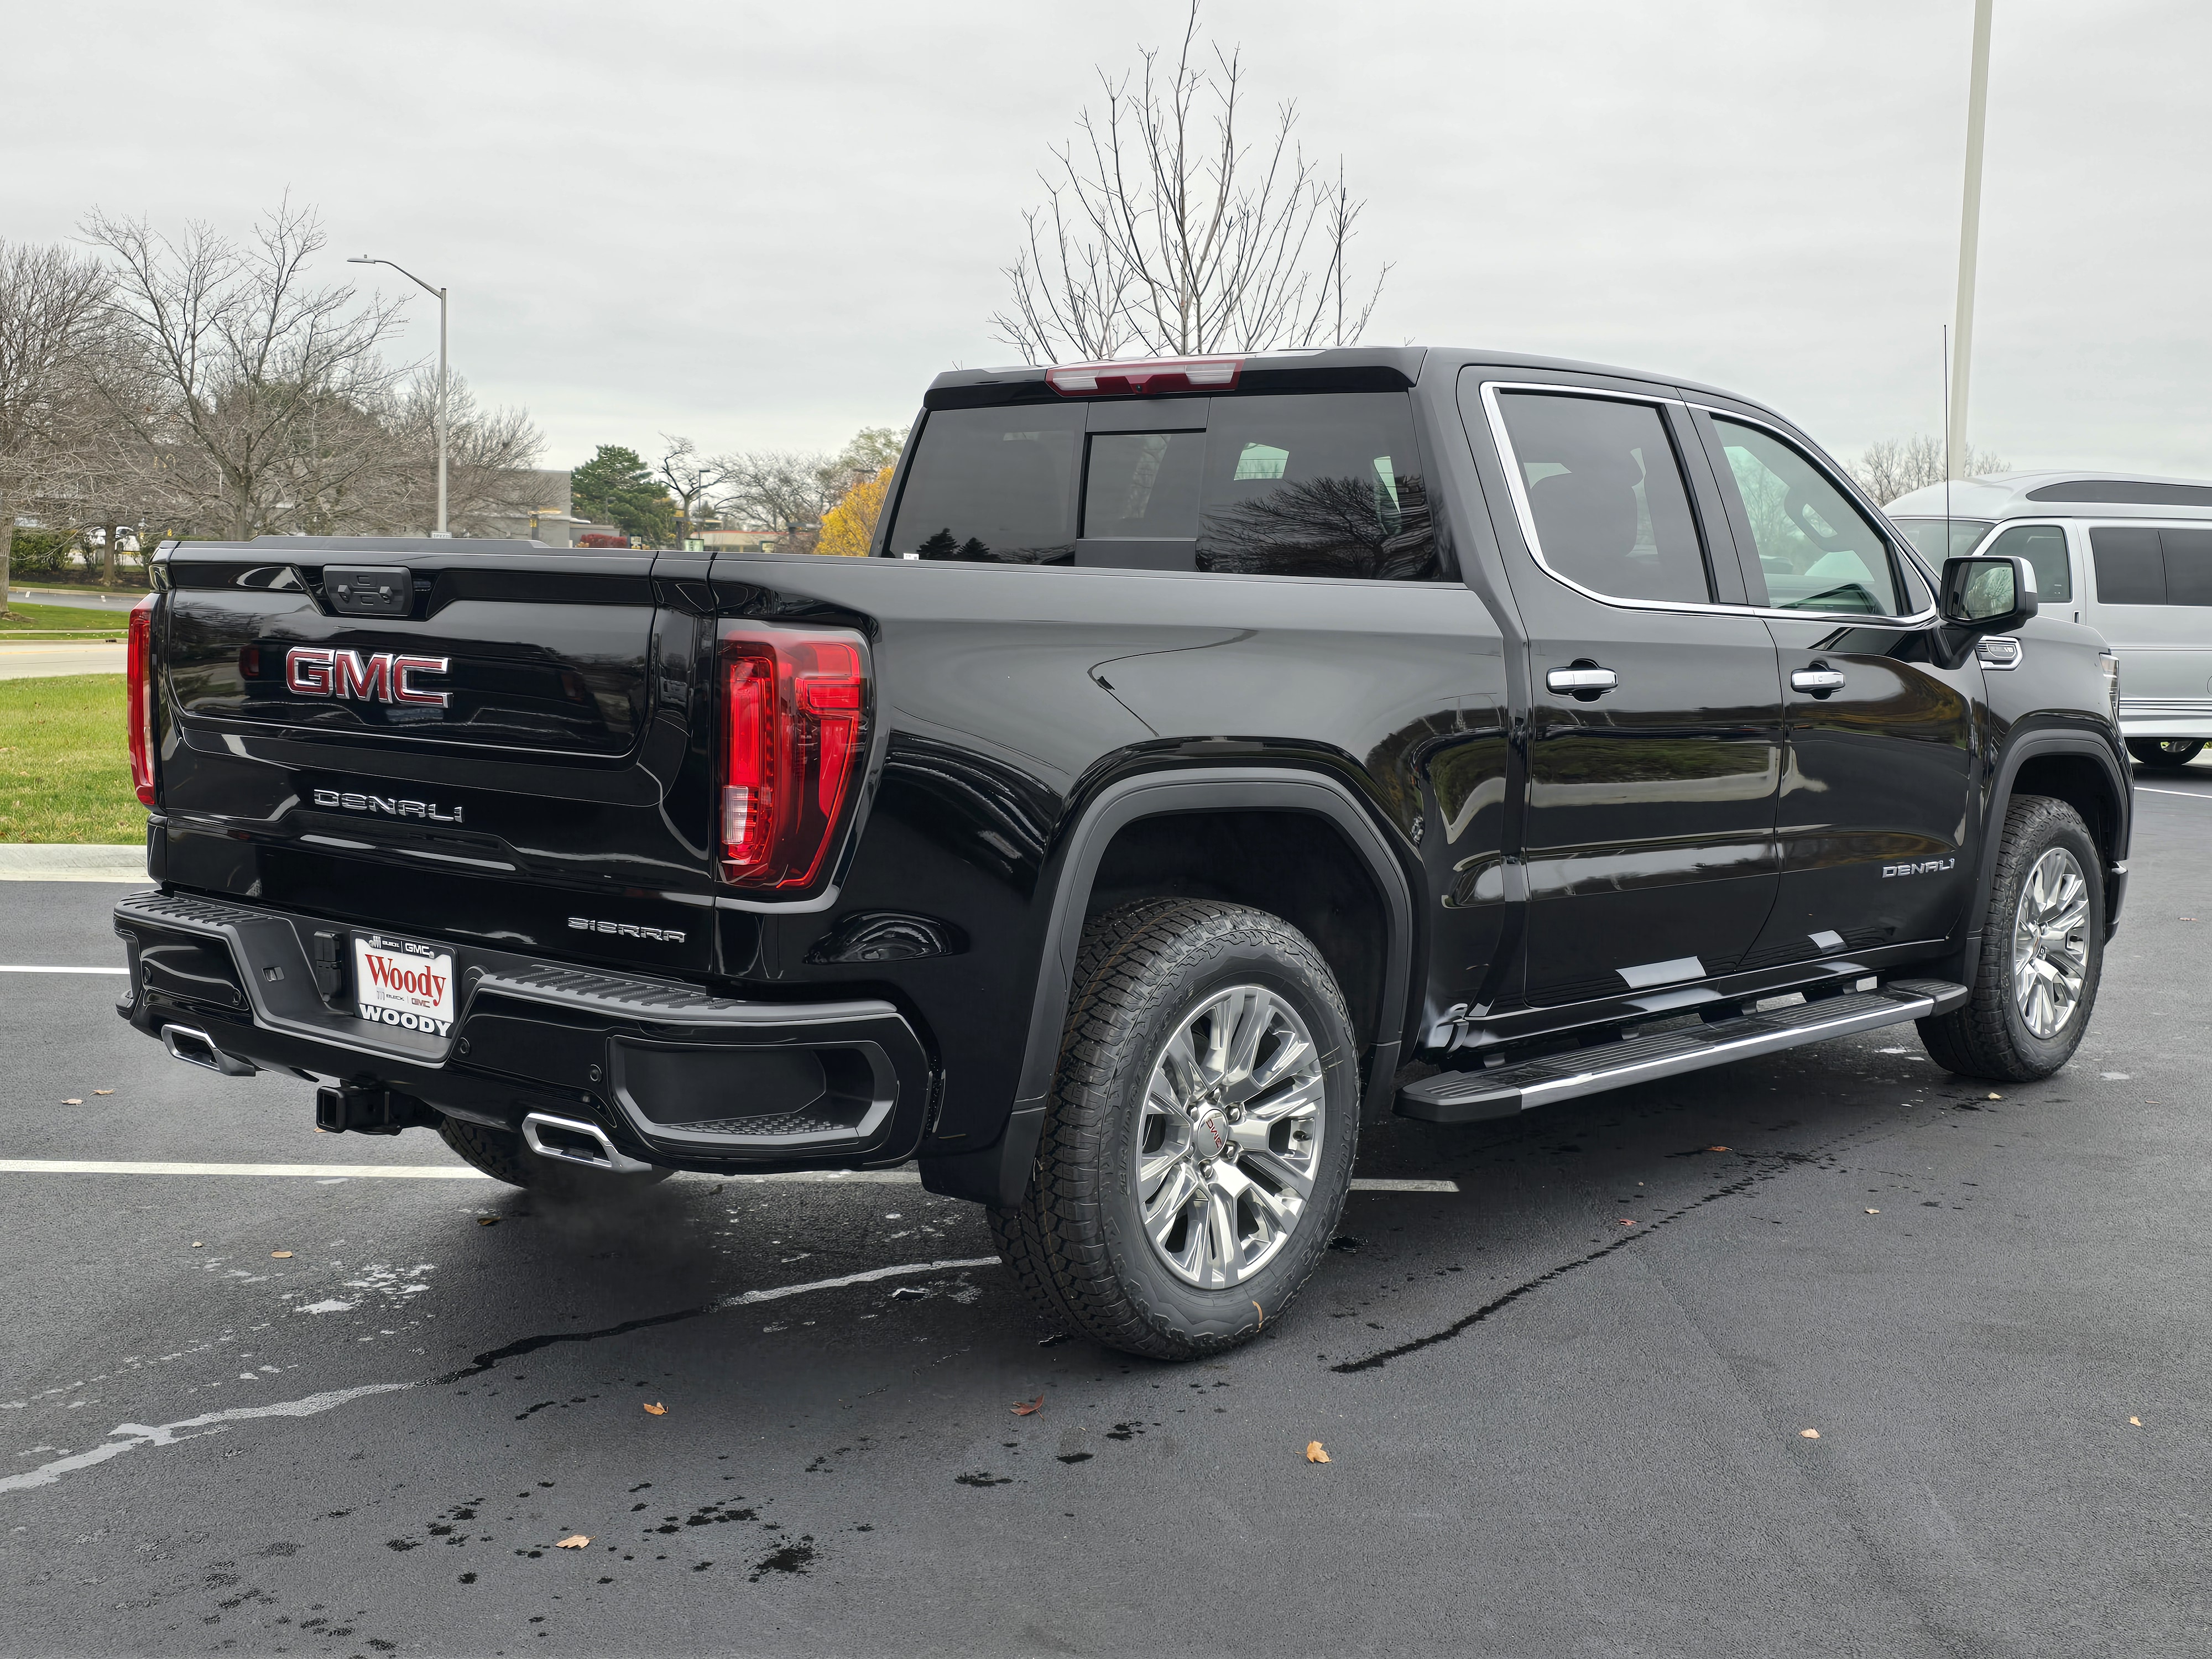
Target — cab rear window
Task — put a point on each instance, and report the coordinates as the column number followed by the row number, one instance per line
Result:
column 1312, row 484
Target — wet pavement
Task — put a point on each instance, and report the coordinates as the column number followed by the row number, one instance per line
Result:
column 1566, row 1407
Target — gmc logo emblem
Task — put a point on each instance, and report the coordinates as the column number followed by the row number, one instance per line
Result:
column 314, row 672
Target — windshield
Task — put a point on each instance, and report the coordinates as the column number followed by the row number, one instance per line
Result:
column 1926, row 535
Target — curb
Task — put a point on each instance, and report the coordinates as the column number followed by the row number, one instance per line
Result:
column 85, row 862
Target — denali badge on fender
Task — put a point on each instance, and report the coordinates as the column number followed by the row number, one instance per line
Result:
column 390, row 805
column 382, row 677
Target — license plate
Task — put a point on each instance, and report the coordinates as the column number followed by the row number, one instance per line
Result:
column 398, row 982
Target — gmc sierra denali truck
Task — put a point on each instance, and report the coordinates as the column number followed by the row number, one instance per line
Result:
column 1211, row 751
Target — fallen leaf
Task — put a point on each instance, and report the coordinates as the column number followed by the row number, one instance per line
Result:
column 1716, row 1149
column 1874, row 1212
column 487, row 1221
column 2137, row 1421
column 1028, row 1408
column 198, row 1245
column 103, row 1091
column 656, row 1409
column 72, row 1103
column 280, row 1256
column 1996, row 1097
column 1809, row 1434
column 1314, row 1454
column 575, row 1543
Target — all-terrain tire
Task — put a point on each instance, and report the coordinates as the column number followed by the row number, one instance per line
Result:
column 506, row 1157
column 1076, row 1243
column 1987, row 1036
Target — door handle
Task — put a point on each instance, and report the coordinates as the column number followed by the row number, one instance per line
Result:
column 1582, row 682
column 1817, row 680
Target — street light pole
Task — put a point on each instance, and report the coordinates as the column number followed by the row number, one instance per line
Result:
column 1970, row 236
column 363, row 259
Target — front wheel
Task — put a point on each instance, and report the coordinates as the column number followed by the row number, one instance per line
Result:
column 1198, row 1148
column 2042, row 952
column 2165, row 753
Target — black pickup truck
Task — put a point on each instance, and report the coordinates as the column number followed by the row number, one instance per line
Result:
column 1211, row 753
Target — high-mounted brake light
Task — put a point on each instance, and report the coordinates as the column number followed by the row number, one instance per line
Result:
column 138, row 692
column 1147, row 377
column 793, row 705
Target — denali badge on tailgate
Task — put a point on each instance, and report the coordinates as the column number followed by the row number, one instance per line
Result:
column 399, row 983
column 390, row 806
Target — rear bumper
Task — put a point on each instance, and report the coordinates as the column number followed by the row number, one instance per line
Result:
column 675, row 1075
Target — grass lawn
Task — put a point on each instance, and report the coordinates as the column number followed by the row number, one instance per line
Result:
column 65, row 762
column 51, row 621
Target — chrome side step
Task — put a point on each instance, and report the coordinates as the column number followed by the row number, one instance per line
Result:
column 1471, row 1097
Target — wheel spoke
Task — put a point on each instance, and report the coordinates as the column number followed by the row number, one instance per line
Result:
column 1269, row 1162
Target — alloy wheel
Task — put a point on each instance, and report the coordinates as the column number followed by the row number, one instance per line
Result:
column 2050, row 943
column 1229, row 1137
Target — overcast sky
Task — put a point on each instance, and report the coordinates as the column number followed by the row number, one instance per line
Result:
column 767, row 225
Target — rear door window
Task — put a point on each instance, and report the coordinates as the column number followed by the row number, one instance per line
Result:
column 1310, row 484
column 1605, row 489
column 2043, row 546
column 1816, row 550
column 2130, row 565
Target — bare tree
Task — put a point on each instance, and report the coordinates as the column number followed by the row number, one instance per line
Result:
column 1165, row 232
column 691, row 478
column 1897, row 467
column 783, row 491
column 491, row 485
column 244, row 386
column 50, row 309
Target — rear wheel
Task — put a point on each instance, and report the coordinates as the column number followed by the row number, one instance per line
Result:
column 2165, row 753
column 2042, row 952
column 506, row 1157
column 1198, row 1146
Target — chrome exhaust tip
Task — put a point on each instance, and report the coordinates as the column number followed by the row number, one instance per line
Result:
column 196, row 1048
column 572, row 1140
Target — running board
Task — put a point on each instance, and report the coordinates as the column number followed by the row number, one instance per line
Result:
column 1501, row 1091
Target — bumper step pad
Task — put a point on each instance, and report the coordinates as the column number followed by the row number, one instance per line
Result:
column 1503, row 1091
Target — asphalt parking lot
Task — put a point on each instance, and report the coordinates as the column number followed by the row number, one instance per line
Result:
column 1567, row 1406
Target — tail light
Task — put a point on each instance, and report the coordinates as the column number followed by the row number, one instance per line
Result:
column 794, row 707
column 1146, row 377
column 139, row 688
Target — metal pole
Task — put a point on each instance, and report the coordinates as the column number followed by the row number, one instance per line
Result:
column 1970, row 233
column 363, row 259
column 442, row 531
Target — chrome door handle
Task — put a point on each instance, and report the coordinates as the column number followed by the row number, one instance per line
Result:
column 1817, row 681
column 1584, row 681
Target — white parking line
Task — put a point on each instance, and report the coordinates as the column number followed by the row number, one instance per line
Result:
column 6, row 968
column 446, row 1172
column 2186, row 794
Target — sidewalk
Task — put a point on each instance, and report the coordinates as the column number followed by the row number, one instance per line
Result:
column 74, row 863
column 38, row 659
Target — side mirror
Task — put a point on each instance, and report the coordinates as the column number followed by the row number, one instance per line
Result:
column 1988, row 595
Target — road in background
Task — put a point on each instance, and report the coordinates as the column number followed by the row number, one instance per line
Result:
column 51, row 659
column 1570, row 1409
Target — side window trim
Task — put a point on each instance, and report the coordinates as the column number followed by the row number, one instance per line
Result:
column 1900, row 547
column 1525, row 513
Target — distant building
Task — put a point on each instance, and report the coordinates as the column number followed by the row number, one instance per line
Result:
column 739, row 541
